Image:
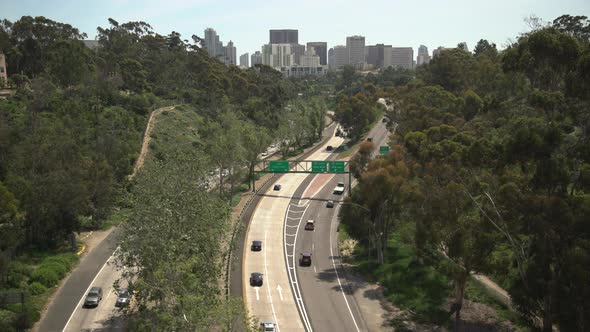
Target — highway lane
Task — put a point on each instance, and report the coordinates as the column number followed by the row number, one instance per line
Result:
column 105, row 317
column 66, row 299
column 275, row 301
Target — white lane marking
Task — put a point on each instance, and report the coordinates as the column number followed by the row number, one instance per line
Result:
column 340, row 284
column 291, row 234
column 257, row 293
column 293, row 277
column 274, row 315
column 314, row 269
column 294, row 218
column 280, row 290
column 88, row 289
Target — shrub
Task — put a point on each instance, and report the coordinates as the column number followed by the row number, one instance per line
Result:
column 7, row 320
column 17, row 274
column 26, row 316
column 45, row 276
column 37, row 288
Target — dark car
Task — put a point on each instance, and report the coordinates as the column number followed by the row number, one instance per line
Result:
column 256, row 245
column 370, row 139
column 123, row 299
column 277, row 187
column 256, row 279
column 330, row 204
column 310, row 225
column 330, row 148
column 305, row 259
column 93, row 298
column 384, row 120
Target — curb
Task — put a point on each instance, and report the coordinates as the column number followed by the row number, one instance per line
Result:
column 82, row 246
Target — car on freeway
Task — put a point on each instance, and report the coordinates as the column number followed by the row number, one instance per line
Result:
column 265, row 153
column 310, row 225
column 330, row 148
column 123, row 299
column 277, row 187
column 256, row 279
column 256, row 245
column 370, row 139
column 273, row 145
column 330, row 204
column 305, row 259
column 268, row 327
column 93, row 298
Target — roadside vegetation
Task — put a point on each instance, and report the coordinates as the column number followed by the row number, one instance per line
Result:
column 488, row 173
column 71, row 133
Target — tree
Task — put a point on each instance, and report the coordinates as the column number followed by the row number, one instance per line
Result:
column 256, row 140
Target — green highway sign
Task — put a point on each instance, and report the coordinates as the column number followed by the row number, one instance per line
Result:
column 319, row 167
column 384, row 149
column 336, row 166
column 278, row 166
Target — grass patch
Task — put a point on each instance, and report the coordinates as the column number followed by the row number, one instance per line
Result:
column 409, row 283
column 116, row 218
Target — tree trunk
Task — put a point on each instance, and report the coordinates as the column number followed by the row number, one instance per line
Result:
column 547, row 319
column 460, row 281
column 251, row 172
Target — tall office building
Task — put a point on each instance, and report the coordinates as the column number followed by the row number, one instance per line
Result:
column 244, row 58
column 284, row 36
column 3, row 73
column 309, row 59
column 402, row 57
column 379, row 55
column 211, row 42
column 341, row 56
column 423, row 57
column 278, row 55
column 230, row 54
column 256, row 58
column 356, row 50
column 298, row 51
column 321, row 50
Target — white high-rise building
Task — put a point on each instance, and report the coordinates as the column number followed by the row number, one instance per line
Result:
column 211, row 42
column 423, row 57
column 340, row 56
column 256, row 58
column 402, row 57
column 230, row 54
column 309, row 59
column 278, row 55
column 356, row 50
column 244, row 58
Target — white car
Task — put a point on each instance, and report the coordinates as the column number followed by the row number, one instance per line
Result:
column 268, row 327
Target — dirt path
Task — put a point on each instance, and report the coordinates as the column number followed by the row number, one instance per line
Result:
column 147, row 138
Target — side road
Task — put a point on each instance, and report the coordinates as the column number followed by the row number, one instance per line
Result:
column 100, row 246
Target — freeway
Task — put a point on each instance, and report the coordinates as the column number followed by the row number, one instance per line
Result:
column 320, row 294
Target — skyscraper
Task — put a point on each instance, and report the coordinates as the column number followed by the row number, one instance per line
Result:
column 423, row 57
column 284, row 36
column 321, row 49
column 278, row 55
column 379, row 55
column 256, row 58
column 298, row 51
column 244, row 60
column 402, row 57
column 211, row 42
column 230, row 54
column 341, row 56
column 309, row 59
column 356, row 50
column 331, row 58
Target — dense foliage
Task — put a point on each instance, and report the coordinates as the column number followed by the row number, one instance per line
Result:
column 489, row 170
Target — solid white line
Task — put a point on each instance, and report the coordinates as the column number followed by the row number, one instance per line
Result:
column 274, row 315
column 257, row 293
column 88, row 289
column 340, row 284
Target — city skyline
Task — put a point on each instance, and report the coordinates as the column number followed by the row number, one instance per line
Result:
column 247, row 24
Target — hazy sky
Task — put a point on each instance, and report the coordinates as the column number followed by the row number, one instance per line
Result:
column 246, row 22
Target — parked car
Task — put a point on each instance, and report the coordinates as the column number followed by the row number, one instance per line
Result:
column 277, row 187
column 94, row 297
column 123, row 298
column 310, row 225
column 268, row 327
column 256, row 245
column 256, row 279
column 330, row 148
column 305, row 259
column 330, row 204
